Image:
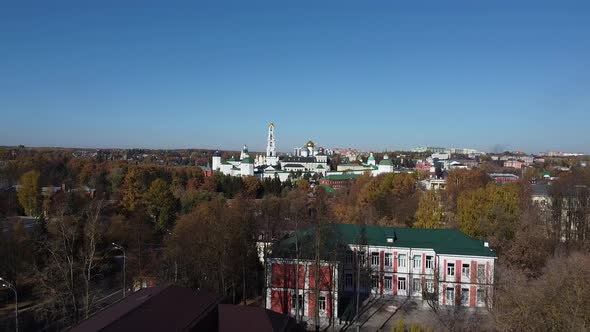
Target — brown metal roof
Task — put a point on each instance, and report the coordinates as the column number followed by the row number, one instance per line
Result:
column 169, row 308
column 252, row 319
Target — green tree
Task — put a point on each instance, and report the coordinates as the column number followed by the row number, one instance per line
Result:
column 29, row 194
column 430, row 212
column 161, row 203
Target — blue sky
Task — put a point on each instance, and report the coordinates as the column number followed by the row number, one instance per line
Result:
column 372, row 75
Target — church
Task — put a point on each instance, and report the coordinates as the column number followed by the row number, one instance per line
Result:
column 308, row 159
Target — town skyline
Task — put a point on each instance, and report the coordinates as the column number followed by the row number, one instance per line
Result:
column 388, row 76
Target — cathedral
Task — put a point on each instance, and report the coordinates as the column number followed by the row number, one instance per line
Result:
column 308, row 159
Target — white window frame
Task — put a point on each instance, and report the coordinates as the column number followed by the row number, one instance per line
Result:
column 465, row 296
column 430, row 262
column 481, row 273
column 388, row 259
column 465, row 270
column 417, row 261
column 480, row 293
column 401, row 260
column 387, row 283
column 450, row 269
column 430, row 285
column 374, row 282
column 450, row 299
column 401, row 281
column 375, row 258
column 417, row 285
column 301, row 299
column 361, row 257
column 322, row 303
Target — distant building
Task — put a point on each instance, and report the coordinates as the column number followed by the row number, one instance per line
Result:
column 339, row 181
column 504, row 178
column 513, row 164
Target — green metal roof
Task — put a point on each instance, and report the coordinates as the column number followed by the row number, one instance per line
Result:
column 386, row 162
column 442, row 241
column 341, row 177
column 371, row 157
column 247, row 160
column 328, row 189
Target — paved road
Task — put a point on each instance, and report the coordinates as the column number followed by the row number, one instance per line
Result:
column 8, row 223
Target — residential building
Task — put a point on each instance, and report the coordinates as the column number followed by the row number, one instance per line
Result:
column 442, row 265
column 513, row 164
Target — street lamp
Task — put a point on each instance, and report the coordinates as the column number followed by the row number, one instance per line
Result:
column 118, row 247
column 5, row 283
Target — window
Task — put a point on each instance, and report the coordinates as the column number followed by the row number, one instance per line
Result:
column 401, row 283
column 481, row 273
column 480, row 296
column 450, row 295
column 388, row 283
column 401, row 260
column 429, row 262
column 348, row 280
column 388, row 260
column 464, row 296
column 430, row 285
column 374, row 282
column 451, row 269
column 295, row 298
column 417, row 285
column 417, row 262
column 361, row 257
column 322, row 302
column 465, row 270
column 375, row 258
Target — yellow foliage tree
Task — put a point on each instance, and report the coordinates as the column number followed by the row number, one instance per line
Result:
column 430, row 212
column 29, row 194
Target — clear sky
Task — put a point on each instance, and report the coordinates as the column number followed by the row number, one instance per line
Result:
column 371, row 75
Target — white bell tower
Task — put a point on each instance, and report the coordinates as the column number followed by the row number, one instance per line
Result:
column 271, row 153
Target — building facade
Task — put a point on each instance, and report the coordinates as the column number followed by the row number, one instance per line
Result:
column 441, row 265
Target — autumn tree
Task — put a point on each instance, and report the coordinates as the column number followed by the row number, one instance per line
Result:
column 161, row 203
column 462, row 180
column 493, row 211
column 132, row 188
column 252, row 187
column 557, row 300
column 29, row 194
column 67, row 280
column 430, row 212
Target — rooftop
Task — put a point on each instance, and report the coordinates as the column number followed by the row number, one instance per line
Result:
column 341, row 177
column 170, row 308
column 442, row 241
